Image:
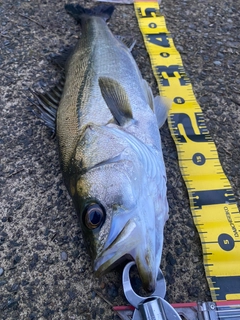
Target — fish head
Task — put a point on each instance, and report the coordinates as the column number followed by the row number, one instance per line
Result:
column 120, row 197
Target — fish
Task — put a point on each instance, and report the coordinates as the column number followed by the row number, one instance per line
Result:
column 106, row 121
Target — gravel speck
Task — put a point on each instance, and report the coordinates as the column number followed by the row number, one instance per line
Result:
column 179, row 251
column 220, row 55
column 16, row 259
column 170, row 259
column 64, row 256
column 15, row 287
column 195, row 259
column 234, row 45
column 112, row 291
column 2, row 282
column 1, row 271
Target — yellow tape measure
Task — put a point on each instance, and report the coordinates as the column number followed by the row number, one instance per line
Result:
column 212, row 202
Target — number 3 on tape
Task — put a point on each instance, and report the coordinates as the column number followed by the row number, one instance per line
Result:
column 212, row 202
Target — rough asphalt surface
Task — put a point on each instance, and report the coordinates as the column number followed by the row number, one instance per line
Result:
column 45, row 271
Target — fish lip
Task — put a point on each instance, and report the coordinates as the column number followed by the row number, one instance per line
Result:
column 147, row 274
column 128, row 246
column 116, row 251
column 107, row 266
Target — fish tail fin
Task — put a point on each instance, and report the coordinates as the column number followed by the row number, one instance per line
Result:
column 78, row 12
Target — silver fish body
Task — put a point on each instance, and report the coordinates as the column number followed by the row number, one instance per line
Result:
column 110, row 152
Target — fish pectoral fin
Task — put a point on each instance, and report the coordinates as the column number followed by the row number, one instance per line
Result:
column 116, row 99
column 159, row 105
column 149, row 94
column 129, row 42
column 162, row 106
column 47, row 105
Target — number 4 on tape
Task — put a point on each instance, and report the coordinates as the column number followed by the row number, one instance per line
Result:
column 213, row 205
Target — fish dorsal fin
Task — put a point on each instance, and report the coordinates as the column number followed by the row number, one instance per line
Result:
column 47, row 104
column 116, row 99
column 61, row 59
column 162, row 106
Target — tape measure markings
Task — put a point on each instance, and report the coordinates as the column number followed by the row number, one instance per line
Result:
column 211, row 197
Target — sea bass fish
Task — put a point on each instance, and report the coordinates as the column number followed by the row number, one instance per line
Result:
column 107, row 127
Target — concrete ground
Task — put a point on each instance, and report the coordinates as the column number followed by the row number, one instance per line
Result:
column 45, row 271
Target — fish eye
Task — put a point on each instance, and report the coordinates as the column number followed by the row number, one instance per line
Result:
column 94, row 216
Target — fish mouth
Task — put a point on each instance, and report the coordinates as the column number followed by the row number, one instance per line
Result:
column 129, row 245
